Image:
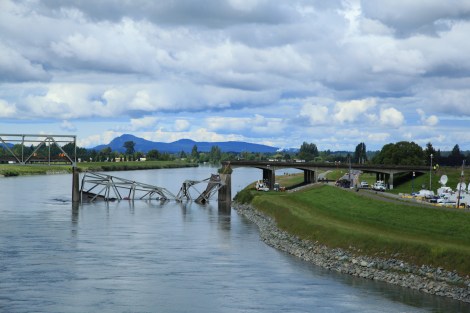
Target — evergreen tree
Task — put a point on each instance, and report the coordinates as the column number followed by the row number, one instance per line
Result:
column 308, row 151
column 215, row 154
column 456, row 157
column 195, row 153
column 427, row 154
column 360, row 154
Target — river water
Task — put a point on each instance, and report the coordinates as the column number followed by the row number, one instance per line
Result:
column 154, row 257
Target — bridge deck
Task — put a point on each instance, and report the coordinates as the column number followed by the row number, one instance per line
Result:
column 384, row 172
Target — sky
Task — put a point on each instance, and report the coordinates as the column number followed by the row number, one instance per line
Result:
column 334, row 73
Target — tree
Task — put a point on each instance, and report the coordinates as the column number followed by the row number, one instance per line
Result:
column 215, row 154
column 400, row 153
column 427, row 153
column 455, row 157
column 360, row 154
column 194, row 153
column 129, row 146
column 308, row 151
column 139, row 155
column 153, row 155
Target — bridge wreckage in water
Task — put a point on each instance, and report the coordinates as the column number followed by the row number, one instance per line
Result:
column 97, row 186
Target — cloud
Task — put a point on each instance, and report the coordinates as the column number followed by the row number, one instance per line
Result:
column 182, row 125
column 391, row 117
column 378, row 137
column 214, row 13
column 199, row 134
column 316, row 114
column 264, row 70
column 351, row 111
column 144, row 123
column 7, row 109
column 249, row 126
column 451, row 101
column 419, row 16
column 15, row 67
column 97, row 139
column 66, row 125
column 432, row 120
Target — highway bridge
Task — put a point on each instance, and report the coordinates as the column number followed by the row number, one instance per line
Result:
column 383, row 172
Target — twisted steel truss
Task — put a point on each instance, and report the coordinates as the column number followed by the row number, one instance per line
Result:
column 97, row 186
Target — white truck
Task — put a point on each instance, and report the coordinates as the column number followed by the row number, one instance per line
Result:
column 379, row 186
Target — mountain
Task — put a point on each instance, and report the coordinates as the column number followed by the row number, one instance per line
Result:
column 186, row 145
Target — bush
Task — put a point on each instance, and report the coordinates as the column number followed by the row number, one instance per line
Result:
column 244, row 196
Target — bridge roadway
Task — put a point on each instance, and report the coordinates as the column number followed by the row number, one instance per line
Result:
column 383, row 172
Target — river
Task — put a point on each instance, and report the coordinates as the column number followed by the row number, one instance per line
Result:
column 154, row 257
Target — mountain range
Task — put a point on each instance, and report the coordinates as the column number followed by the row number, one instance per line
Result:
column 186, row 145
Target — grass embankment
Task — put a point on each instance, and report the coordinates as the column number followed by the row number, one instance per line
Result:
column 345, row 219
column 290, row 180
column 17, row 170
column 407, row 184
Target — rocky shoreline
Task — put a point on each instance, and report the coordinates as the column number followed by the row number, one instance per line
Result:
column 435, row 281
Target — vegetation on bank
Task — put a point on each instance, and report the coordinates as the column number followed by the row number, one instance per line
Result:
column 406, row 183
column 17, row 170
column 345, row 219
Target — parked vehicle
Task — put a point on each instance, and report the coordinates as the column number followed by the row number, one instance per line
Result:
column 261, row 186
column 344, row 183
column 364, row 184
column 424, row 193
column 379, row 186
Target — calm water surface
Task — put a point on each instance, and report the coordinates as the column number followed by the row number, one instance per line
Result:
column 153, row 257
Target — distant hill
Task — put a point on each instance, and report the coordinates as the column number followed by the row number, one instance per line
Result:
column 186, row 145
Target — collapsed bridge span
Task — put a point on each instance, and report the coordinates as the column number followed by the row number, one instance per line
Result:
column 214, row 184
column 97, row 186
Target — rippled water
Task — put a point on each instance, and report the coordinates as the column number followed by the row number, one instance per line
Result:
column 153, row 257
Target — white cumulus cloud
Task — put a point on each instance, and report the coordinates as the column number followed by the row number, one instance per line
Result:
column 316, row 114
column 391, row 117
column 351, row 111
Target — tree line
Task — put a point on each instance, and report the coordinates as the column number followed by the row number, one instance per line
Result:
column 399, row 153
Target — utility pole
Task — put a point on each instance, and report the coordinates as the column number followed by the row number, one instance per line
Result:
column 350, row 183
column 430, row 173
column 460, row 184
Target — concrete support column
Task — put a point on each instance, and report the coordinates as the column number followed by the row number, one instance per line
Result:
column 269, row 176
column 390, row 181
column 377, row 176
column 75, row 185
column 225, row 193
column 309, row 176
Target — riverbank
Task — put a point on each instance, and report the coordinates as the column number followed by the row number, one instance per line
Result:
column 20, row 170
column 435, row 281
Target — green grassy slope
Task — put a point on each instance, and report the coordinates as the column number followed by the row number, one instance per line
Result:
column 340, row 218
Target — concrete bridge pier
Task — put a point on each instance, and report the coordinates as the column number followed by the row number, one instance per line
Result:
column 75, row 185
column 310, row 177
column 386, row 178
column 225, row 192
column 390, row 180
column 269, row 176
